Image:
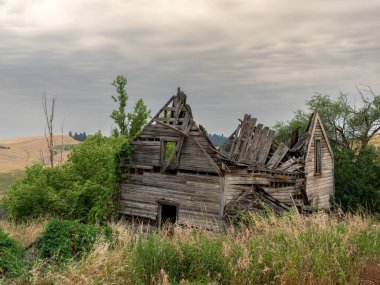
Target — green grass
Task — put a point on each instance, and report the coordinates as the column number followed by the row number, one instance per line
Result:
column 7, row 178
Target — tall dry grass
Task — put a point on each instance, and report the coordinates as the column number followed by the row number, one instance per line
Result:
column 319, row 249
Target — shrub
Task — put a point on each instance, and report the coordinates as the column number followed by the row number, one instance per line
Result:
column 84, row 188
column 357, row 179
column 62, row 240
column 11, row 256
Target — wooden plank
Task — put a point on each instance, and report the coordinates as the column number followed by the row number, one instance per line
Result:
column 286, row 164
column 255, row 144
column 248, row 140
column 265, row 147
column 161, row 110
column 278, row 155
column 171, row 120
column 262, row 141
column 234, row 142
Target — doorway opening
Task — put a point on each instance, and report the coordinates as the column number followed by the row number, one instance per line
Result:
column 167, row 214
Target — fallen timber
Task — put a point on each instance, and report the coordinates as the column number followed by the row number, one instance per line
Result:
column 175, row 174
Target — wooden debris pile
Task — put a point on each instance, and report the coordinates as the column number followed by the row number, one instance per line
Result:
column 252, row 144
column 255, row 201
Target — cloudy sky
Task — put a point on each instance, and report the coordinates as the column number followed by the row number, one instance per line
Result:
column 231, row 57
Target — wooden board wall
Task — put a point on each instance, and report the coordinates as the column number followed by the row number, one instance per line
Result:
column 148, row 153
column 319, row 187
column 198, row 196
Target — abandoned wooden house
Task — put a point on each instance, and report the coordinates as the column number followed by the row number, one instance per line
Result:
column 176, row 174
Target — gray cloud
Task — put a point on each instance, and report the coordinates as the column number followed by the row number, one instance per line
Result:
column 230, row 57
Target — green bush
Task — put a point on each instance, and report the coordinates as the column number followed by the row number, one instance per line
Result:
column 84, row 188
column 357, row 179
column 62, row 240
column 11, row 256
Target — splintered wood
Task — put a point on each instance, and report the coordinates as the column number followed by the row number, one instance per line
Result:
column 255, row 200
column 250, row 143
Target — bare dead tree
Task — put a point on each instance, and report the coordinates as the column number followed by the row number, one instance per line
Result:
column 49, row 135
column 62, row 146
column 42, row 157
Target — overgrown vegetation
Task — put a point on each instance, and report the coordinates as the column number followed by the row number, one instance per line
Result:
column 319, row 249
column 357, row 179
column 11, row 256
column 62, row 240
column 84, row 188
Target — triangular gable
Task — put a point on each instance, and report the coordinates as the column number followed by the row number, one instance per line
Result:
column 314, row 119
column 177, row 115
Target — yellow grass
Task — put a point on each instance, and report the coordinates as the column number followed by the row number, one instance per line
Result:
column 375, row 141
column 25, row 151
column 27, row 232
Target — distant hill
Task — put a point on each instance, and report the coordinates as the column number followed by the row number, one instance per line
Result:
column 17, row 153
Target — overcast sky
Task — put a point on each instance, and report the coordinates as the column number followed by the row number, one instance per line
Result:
column 230, row 57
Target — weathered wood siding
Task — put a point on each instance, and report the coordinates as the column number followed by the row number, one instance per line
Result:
column 192, row 182
column 193, row 158
column 319, row 187
column 198, row 196
column 148, row 153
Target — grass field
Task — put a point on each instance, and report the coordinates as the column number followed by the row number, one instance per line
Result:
column 318, row 249
column 24, row 151
column 7, row 178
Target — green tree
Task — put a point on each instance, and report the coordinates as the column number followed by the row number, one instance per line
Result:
column 348, row 125
column 138, row 118
column 357, row 179
column 284, row 130
column 120, row 115
column 129, row 124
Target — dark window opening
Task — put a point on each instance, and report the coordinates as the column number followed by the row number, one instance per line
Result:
column 318, row 157
column 156, row 169
column 168, row 214
column 171, row 171
column 189, row 171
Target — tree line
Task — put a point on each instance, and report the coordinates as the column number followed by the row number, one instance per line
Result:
column 79, row 137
